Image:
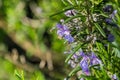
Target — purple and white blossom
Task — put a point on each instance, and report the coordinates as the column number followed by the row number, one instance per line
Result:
column 69, row 38
column 113, row 14
column 94, row 60
column 81, row 78
column 114, row 77
column 85, row 62
column 82, row 53
column 72, row 63
column 70, row 13
column 63, row 32
column 84, row 65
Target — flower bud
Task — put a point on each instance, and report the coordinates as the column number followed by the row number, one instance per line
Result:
column 111, row 37
column 108, row 8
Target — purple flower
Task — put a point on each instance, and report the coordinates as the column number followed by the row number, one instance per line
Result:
column 81, row 78
column 69, row 38
column 84, row 65
column 108, row 8
column 114, row 77
column 62, row 27
column 94, row 60
column 82, row 53
column 59, row 26
column 60, row 33
column 77, row 55
column 70, row 13
column 64, row 32
column 72, row 63
column 113, row 14
column 111, row 37
column 109, row 21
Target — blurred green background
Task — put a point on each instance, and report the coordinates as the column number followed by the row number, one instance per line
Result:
column 29, row 47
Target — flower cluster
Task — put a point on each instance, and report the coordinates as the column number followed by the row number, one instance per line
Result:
column 63, row 32
column 86, row 61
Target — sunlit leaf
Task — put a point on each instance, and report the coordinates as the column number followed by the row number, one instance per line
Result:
column 100, row 29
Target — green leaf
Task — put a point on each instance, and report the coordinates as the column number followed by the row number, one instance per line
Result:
column 76, row 69
column 70, row 2
column 104, row 15
column 117, row 52
column 96, row 1
column 65, row 9
column 76, row 2
column 100, row 29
